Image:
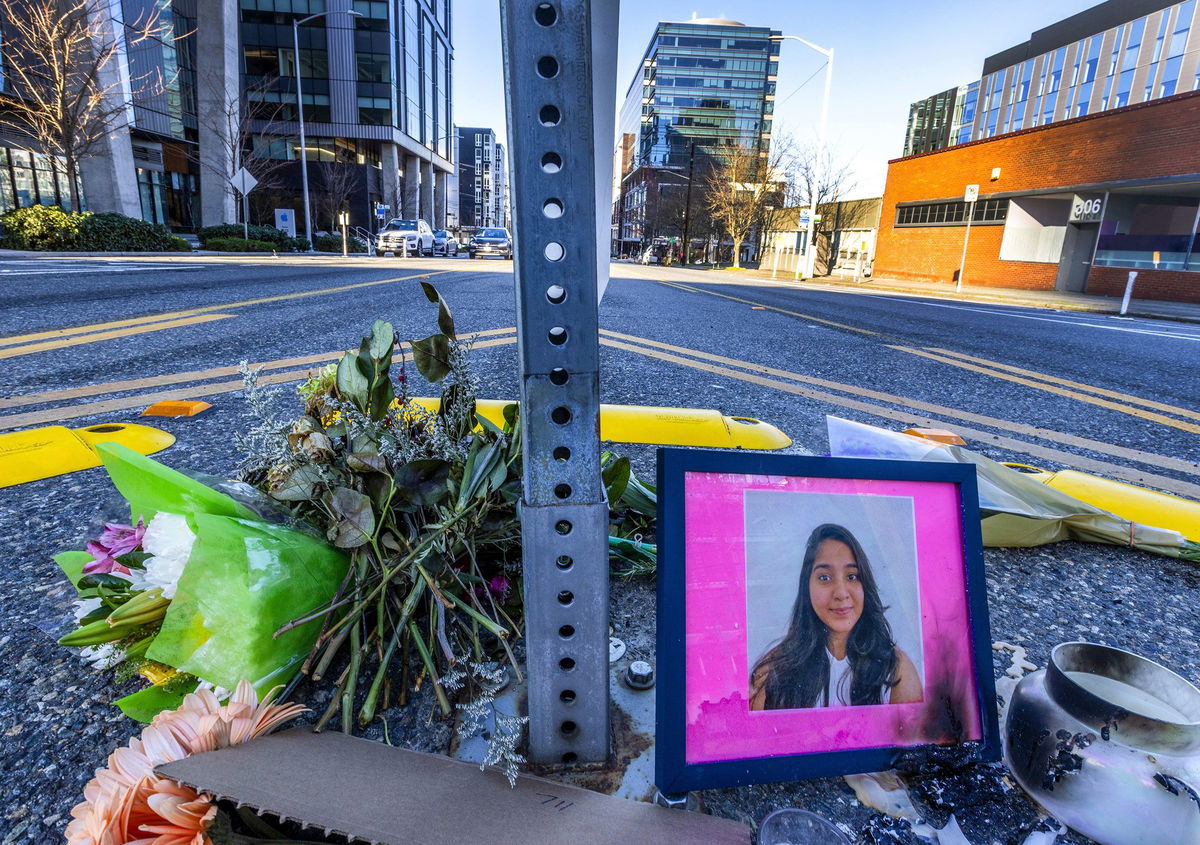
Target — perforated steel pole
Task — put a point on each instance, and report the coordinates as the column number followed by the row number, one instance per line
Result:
column 564, row 518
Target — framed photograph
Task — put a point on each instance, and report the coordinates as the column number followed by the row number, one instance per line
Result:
column 816, row 616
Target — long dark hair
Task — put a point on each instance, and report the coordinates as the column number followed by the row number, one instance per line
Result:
column 796, row 670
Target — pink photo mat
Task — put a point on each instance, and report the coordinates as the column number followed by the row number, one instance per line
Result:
column 720, row 725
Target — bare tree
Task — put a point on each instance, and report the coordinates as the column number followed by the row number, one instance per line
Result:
column 822, row 179
column 338, row 180
column 62, row 59
column 243, row 125
column 741, row 185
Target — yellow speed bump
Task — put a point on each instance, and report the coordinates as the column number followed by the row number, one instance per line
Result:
column 1137, row 504
column 663, row 426
column 56, row 450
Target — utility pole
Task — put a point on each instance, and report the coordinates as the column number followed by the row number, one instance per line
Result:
column 687, row 202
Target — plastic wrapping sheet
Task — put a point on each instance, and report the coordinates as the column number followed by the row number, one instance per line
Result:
column 1017, row 509
column 245, row 578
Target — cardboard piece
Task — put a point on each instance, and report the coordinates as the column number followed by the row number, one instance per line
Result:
column 371, row 792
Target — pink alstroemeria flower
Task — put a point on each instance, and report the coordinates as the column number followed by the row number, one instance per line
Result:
column 122, row 539
column 103, row 562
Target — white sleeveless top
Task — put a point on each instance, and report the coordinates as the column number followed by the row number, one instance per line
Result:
column 837, row 694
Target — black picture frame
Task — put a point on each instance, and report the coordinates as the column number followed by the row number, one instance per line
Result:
column 674, row 773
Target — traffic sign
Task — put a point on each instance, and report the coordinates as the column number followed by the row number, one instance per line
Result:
column 972, row 193
column 242, row 181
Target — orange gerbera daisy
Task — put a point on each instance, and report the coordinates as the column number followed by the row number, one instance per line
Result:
column 128, row 804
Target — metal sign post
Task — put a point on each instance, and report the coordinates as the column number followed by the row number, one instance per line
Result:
column 970, row 196
column 548, row 74
column 243, row 182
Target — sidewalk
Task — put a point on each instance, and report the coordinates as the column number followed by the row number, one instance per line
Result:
column 1053, row 299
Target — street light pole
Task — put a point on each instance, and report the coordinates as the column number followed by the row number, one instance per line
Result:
column 810, row 248
column 296, row 24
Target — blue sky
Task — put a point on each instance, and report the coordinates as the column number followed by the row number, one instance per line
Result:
column 888, row 53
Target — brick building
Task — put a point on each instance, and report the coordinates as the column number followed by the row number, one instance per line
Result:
column 1072, row 205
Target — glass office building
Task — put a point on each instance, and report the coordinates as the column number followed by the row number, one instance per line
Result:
column 1119, row 53
column 702, row 85
column 939, row 121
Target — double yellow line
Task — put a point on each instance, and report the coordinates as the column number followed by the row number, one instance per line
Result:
column 190, row 386
column 28, row 344
column 1134, row 406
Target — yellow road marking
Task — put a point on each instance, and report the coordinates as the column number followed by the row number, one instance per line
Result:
column 1161, row 482
column 52, row 415
column 177, row 378
column 980, row 419
column 1090, row 388
column 31, row 348
column 779, row 310
column 1060, row 391
column 134, row 321
column 1125, row 409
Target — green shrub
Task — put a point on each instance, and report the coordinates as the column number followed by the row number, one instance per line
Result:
column 178, row 244
column 235, row 230
column 239, row 245
column 333, row 243
column 295, row 244
column 43, row 227
column 118, row 233
column 40, row 227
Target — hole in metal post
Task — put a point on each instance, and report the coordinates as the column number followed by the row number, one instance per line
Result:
column 549, row 115
column 561, row 415
column 545, row 14
column 562, row 491
column 557, row 294
column 547, row 67
column 570, row 757
column 568, row 728
column 564, row 562
column 566, row 631
column 559, row 376
column 551, row 163
column 565, row 597
column 567, row 696
column 562, row 453
column 566, row 664
column 563, row 527
column 552, row 208
column 554, row 251
column 557, row 335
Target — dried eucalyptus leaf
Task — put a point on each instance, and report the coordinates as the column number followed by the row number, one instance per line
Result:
column 431, row 356
column 296, row 486
column 356, row 518
column 366, row 462
column 422, row 482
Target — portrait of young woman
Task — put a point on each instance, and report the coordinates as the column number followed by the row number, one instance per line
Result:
column 838, row 650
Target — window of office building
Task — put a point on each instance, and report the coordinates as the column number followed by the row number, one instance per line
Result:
column 951, row 213
column 1179, row 37
column 1087, row 78
column 1124, row 82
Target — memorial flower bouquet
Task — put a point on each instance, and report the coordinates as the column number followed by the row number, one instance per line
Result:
column 190, row 591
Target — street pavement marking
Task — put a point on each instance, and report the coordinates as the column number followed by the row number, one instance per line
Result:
column 1049, row 388
column 1006, row 312
column 1148, row 479
column 177, row 378
column 992, row 422
column 1092, row 400
column 773, row 308
column 1100, row 391
column 134, row 321
column 31, row 348
column 101, row 268
column 53, row 415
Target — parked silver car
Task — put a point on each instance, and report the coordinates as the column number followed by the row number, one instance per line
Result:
column 415, row 236
column 444, row 243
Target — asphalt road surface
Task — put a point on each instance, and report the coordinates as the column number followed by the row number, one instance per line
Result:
column 92, row 341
